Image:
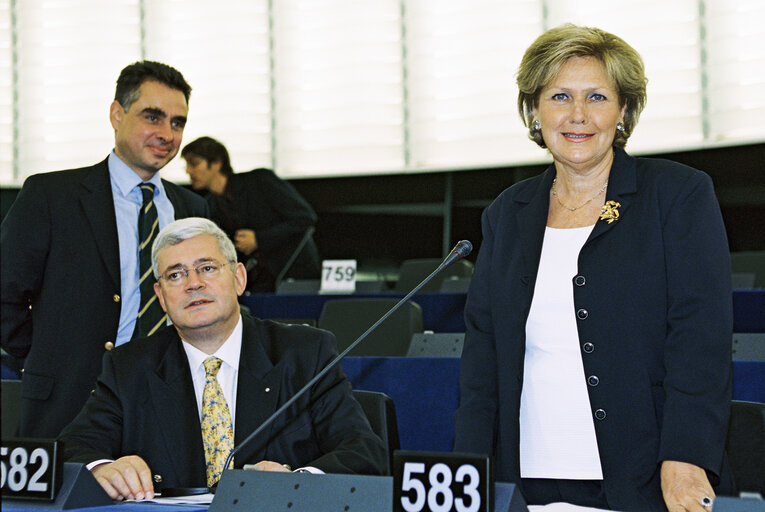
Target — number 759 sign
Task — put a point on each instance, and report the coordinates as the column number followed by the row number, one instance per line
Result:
column 442, row 482
column 338, row 276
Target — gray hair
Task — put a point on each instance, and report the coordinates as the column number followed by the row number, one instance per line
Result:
column 183, row 229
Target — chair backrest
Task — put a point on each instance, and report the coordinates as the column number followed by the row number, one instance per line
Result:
column 412, row 272
column 746, row 445
column 11, row 404
column 349, row 318
column 311, row 322
column 455, row 284
column 431, row 344
column 370, row 286
column 381, row 413
column 749, row 262
column 298, row 286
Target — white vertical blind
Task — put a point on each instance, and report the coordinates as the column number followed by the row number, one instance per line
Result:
column 462, row 58
column 338, row 87
column 222, row 49
column 735, row 37
column 667, row 35
column 69, row 56
column 6, row 95
column 339, row 90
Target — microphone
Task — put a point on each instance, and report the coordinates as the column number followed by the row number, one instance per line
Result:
column 459, row 251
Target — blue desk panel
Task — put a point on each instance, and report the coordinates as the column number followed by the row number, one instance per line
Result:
column 749, row 311
column 29, row 506
column 426, row 393
column 443, row 312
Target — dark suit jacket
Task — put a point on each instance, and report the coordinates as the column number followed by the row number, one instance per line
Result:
column 655, row 303
column 144, row 405
column 261, row 201
column 61, row 287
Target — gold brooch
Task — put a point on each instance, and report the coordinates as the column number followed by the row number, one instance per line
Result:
column 610, row 211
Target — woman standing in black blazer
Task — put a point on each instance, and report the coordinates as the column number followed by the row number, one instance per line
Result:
column 596, row 367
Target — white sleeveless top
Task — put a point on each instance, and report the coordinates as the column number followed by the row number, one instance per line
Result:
column 556, row 426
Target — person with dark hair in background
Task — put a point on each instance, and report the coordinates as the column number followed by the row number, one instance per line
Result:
column 264, row 215
column 597, row 363
column 75, row 250
column 168, row 409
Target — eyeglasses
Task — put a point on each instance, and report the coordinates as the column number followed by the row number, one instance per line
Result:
column 205, row 271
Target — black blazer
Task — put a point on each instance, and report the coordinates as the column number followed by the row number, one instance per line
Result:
column 653, row 299
column 144, row 405
column 261, row 201
column 61, row 287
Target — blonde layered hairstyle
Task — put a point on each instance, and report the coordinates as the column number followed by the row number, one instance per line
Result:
column 544, row 58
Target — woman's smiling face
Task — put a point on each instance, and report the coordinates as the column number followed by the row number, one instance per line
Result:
column 578, row 111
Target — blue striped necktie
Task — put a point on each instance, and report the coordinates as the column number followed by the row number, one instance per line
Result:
column 150, row 314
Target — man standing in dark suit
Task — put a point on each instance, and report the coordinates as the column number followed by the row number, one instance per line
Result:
column 168, row 409
column 263, row 214
column 71, row 245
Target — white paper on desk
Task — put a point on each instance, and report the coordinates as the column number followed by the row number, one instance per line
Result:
column 197, row 499
column 563, row 507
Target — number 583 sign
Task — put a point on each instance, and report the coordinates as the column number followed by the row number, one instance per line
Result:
column 442, row 482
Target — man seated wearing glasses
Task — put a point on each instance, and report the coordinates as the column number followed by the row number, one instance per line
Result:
column 168, row 409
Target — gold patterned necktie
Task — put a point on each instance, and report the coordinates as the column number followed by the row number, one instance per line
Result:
column 217, row 429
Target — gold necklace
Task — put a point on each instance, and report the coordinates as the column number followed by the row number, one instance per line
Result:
column 555, row 195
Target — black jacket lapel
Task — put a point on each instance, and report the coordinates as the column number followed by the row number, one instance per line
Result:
column 532, row 220
column 622, row 186
column 172, row 396
column 258, row 391
column 98, row 205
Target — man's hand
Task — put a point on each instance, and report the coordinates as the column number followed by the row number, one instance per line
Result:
column 267, row 465
column 683, row 486
column 127, row 478
column 245, row 241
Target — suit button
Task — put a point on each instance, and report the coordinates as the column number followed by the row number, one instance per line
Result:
column 579, row 280
column 600, row 414
column 116, row 298
column 593, row 380
column 157, row 479
column 108, row 345
column 588, row 348
column 581, row 314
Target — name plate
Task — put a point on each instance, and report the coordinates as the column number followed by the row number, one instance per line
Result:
column 442, row 482
column 338, row 276
column 31, row 469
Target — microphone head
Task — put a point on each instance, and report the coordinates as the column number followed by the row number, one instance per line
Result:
column 463, row 248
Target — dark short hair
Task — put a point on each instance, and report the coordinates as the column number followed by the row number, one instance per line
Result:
column 211, row 150
column 544, row 58
column 133, row 76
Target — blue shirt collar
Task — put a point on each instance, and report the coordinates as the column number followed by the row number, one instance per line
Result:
column 125, row 179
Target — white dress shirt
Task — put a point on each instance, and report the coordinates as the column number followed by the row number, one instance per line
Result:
column 557, row 433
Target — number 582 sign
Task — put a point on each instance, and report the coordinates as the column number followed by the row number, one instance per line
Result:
column 30, row 469
column 442, row 482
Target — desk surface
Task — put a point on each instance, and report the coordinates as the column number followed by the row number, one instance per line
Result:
column 443, row 312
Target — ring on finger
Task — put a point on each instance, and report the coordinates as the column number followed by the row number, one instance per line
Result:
column 706, row 502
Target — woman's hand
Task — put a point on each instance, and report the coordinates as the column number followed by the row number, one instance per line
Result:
column 684, row 486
